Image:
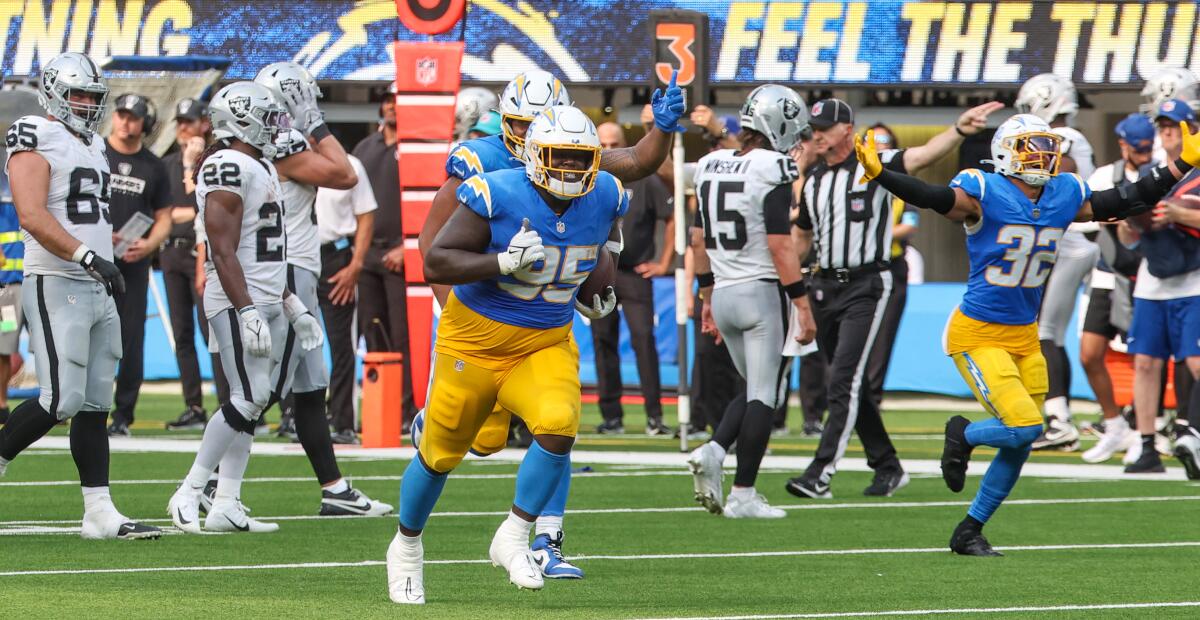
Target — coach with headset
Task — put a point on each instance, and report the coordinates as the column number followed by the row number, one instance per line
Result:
column 140, row 184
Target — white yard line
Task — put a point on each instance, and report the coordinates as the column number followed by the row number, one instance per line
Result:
column 644, row 459
column 965, row 610
column 596, row 558
column 20, row 526
column 311, row 480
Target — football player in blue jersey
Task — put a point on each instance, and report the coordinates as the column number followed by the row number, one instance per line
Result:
column 524, row 97
column 516, row 249
column 1014, row 219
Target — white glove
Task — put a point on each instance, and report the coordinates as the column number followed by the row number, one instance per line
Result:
column 256, row 334
column 305, row 111
column 524, row 249
column 601, row 307
column 308, row 329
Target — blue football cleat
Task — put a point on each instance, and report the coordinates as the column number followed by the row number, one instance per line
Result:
column 547, row 552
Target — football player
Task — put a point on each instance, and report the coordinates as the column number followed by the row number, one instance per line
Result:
column 59, row 179
column 302, row 167
column 523, row 98
column 747, row 281
column 240, row 204
column 1054, row 99
column 1167, row 84
column 516, row 249
column 1014, row 219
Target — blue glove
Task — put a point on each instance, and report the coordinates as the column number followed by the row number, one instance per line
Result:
column 668, row 107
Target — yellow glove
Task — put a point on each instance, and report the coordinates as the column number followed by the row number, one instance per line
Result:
column 1191, row 145
column 872, row 167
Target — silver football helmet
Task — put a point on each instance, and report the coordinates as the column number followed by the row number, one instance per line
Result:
column 1174, row 83
column 778, row 113
column 1048, row 96
column 296, row 88
column 471, row 105
column 72, row 73
column 250, row 113
column 525, row 96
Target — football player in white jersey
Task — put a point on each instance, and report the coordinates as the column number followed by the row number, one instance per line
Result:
column 303, row 167
column 239, row 201
column 748, row 270
column 1054, row 100
column 1163, row 86
column 60, row 186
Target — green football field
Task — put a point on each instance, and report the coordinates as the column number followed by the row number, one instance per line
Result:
column 1077, row 545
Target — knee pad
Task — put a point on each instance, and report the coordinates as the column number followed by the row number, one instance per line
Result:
column 66, row 403
column 237, row 420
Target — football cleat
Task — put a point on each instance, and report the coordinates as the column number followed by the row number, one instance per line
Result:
column 405, row 571
column 192, row 419
column 287, row 427
column 611, row 427
column 887, row 482
column 956, row 453
column 779, row 431
column 655, row 428
column 753, row 507
column 1115, row 436
column 107, row 524
column 119, row 428
column 547, row 554
column 812, row 428
column 351, row 502
column 1187, row 450
column 228, row 515
column 707, row 477
column 972, row 542
column 513, row 555
column 208, row 495
column 3, row 467
column 806, row 488
column 1146, row 463
column 184, row 509
column 1058, row 435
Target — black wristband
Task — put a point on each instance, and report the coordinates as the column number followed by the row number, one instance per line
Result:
column 705, row 280
column 961, row 132
column 796, row 289
column 320, row 132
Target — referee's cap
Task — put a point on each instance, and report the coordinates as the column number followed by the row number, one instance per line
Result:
column 829, row 112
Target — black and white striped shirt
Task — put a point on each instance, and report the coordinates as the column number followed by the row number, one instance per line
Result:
column 851, row 222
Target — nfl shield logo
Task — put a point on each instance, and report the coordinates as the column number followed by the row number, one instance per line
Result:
column 427, row 70
column 857, row 205
column 125, row 168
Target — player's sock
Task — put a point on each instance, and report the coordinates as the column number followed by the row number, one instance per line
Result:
column 731, row 423
column 89, row 447
column 28, row 423
column 1058, row 370
column 1148, row 443
column 992, row 432
column 998, row 482
column 1058, row 407
column 233, row 467
column 738, row 492
column 557, row 504
column 752, row 442
column 549, row 525
column 538, row 478
column 97, row 497
column 420, row 489
column 312, row 428
column 218, row 435
column 338, row 486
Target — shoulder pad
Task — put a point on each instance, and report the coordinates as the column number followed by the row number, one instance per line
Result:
column 464, row 162
column 476, row 194
column 30, row 133
column 225, row 170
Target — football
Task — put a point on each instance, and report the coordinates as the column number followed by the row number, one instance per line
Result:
column 603, row 275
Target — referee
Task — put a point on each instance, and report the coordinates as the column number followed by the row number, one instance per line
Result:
column 848, row 224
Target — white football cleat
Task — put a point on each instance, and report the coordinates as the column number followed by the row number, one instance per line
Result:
column 753, row 507
column 106, row 523
column 228, row 515
column 1058, row 435
column 1117, row 437
column 707, row 477
column 405, row 571
column 184, row 509
column 1133, row 453
column 513, row 555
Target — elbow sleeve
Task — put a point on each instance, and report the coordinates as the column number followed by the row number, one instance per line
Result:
column 939, row 198
column 1134, row 198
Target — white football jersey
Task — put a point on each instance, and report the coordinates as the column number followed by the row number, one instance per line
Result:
column 79, row 192
column 1076, row 146
column 300, row 215
column 732, row 191
column 262, row 249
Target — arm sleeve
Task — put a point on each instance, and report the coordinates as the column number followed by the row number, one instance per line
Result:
column 916, row 192
column 893, row 160
column 476, row 195
column 1134, row 198
column 776, row 205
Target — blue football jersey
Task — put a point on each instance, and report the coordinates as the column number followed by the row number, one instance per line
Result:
column 1013, row 246
column 542, row 296
column 480, row 155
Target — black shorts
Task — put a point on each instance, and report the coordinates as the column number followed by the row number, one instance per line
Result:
column 1099, row 308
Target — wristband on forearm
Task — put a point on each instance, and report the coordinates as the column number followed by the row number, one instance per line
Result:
column 796, row 289
column 320, row 132
column 705, row 280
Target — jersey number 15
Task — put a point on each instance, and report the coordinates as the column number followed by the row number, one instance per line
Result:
column 713, row 210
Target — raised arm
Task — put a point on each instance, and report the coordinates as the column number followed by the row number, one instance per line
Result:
column 1141, row 196
column 969, row 123
column 325, row 165
column 951, row 202
column 644, row 158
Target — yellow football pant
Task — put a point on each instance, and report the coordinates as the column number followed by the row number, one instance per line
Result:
column 1003, row 366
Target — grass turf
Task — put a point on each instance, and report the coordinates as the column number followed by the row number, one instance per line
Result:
column 919, row 576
